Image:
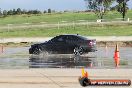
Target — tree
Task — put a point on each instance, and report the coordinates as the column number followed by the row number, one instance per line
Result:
column 49, row 10
column 45, row 11
column 10, row 12
column 5, row 13
column 14, row 12
column 114, row 8
column 0, row 13
column 18, row 11
column 99, row 7
column 122, row 7
column 36, row 12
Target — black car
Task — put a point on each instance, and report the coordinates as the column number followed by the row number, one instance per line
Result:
column 65, row 44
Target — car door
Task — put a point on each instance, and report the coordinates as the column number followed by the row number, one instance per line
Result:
column 61, row 45
column 58, row 45
column 71, row 42
column 52, row 45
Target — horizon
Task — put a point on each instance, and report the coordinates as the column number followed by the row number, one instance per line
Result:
column 57, row 5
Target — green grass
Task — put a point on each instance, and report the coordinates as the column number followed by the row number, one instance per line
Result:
column 49, row 18
column 104, row 30
column 58, row 17
column 86, row 30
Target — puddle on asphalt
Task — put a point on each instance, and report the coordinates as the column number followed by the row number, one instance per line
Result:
column 14, row 63
column 18, row 58
column 60, row 61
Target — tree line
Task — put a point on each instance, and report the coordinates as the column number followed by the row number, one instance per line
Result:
column 18, row 11
column 99, row 7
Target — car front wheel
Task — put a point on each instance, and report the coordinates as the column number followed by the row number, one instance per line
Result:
column 37, row 51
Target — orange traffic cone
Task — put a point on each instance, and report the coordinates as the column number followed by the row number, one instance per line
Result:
column 116, row 56
column 84, row 81
column 84, row 74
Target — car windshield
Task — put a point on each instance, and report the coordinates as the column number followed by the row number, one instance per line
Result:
column 52, row 40
column 57, row 38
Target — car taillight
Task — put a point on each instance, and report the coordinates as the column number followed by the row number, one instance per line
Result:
column 91, row 42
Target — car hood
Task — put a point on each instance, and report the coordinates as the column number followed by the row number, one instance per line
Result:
column 37, row 44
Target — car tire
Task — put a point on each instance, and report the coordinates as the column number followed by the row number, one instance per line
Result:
column 37, row 51
column 78, row 50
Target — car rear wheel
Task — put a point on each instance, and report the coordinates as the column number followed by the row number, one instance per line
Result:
column 78, row 50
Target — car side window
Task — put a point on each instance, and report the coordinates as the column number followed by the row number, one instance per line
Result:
column 60, row 39
column 75, row 38
column 55, row 39
column 70, row 38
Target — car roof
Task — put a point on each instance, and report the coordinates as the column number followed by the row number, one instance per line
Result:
column 70, row 34
column 77, row 35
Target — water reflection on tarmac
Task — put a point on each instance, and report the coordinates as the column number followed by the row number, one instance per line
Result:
column 103, row 58
column 60, row 61
column 18, row 57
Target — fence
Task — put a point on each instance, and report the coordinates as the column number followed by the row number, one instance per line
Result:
column 58, row 25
